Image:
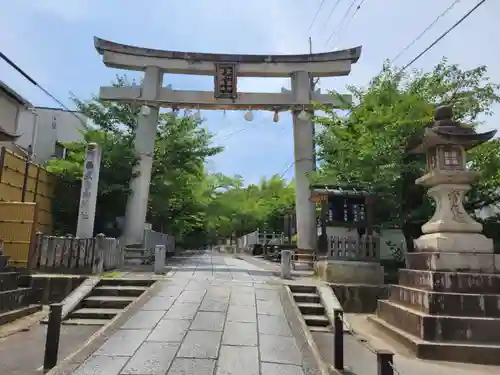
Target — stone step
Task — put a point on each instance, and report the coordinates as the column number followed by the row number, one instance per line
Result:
column 439, row 328
column 17, row 313
column 107, row 302
column 116, row 290
column 453, row 351
column 14, row 299
column 126, row 282
column 295, row 288
column 306, row 297
column 438, row 303
column 90, row 313
column 311, row 308
column 135, row 250
column 327, row 329
column 9, row 281
column 86, row 322
column 316, row 320
column 450, row 282
column 129, row 256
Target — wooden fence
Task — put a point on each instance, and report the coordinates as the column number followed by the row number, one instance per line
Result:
column 19, row 221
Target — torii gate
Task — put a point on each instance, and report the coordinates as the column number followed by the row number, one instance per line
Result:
column 225, row 68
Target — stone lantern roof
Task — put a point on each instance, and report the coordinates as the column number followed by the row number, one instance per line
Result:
column 445, row 130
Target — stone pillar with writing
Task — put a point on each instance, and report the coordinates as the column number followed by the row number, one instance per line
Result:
column 88, row 196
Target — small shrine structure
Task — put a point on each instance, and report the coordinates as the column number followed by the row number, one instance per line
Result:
column 447, row 303
column 347, row 259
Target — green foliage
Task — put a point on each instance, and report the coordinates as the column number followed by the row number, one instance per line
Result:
column 178, row 176
column 184, row 199
column 367, row 146
column 237, row 210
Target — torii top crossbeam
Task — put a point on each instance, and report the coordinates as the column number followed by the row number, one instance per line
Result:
column 329, row 64
column 225, row 68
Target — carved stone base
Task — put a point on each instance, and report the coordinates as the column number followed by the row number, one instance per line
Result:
column 455, row 242
column 450, row 215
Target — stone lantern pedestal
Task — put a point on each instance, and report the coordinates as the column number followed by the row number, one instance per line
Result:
column 447, row 303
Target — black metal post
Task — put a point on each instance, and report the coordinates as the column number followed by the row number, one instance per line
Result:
column 52, row 337
column 338, row 339
column 26, row 174
column 385, row 360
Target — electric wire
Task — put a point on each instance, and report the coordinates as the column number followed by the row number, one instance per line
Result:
column 341, row 23
column 431, row 25
column 341, row 33
column 45, row 91
column 330, row 15
column 316, row 15
column 442, row 36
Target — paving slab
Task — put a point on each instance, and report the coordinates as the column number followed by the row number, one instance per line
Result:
column 239, row 333
column 274, row 325
column 211, row 318
column 280, row 369
column 192, row 366
column 182, row 311
column 102, row 365
column 241, row 360
column 144, row 320
column 246, row 314
column 124, row 342
column 200, row 344
column 279, row 349
column 151, row 358
column 168, row 330
column 208, row 321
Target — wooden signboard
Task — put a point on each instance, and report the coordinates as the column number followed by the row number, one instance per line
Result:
column 225, row 81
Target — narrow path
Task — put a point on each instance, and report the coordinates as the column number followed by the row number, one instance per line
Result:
column 216, row 315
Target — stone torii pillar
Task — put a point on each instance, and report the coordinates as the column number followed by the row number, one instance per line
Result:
column 303, row 143
column 145, row 136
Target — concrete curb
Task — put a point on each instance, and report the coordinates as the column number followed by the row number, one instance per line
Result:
column 314, row 364
column 71, row 363
column 75, row 297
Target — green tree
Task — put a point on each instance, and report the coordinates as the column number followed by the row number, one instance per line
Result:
column 366, row 146
column 178, row 177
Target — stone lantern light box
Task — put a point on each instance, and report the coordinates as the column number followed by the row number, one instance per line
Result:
column 445, row 143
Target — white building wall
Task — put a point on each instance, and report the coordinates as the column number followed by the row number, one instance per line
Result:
column 53, row 125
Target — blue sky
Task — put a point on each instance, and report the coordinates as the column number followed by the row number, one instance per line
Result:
column 52, row 40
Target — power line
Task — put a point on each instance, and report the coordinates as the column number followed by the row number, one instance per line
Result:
column 433, row 23
column 31, row 80
column 330, row 15
column 349, row 21
column 442, row 35
column 341, row 23
column 316, row 15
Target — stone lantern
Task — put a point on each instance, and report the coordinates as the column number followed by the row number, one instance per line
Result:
column 445, row 143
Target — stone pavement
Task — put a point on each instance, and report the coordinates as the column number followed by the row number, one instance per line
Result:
column 215, row 315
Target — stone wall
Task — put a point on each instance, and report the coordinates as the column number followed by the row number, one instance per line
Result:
column 50, row 289
column 359, row 298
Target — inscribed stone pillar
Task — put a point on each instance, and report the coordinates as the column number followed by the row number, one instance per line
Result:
column 303, row 134
column 88, row 193
column 137, row 203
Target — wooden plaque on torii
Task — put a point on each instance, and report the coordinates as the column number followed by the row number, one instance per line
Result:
column 225, row 81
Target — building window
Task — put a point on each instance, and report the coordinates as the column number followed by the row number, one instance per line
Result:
column 452, row 158
column 60, row 151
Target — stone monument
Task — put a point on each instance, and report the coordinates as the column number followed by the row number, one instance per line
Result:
column 447, row 303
